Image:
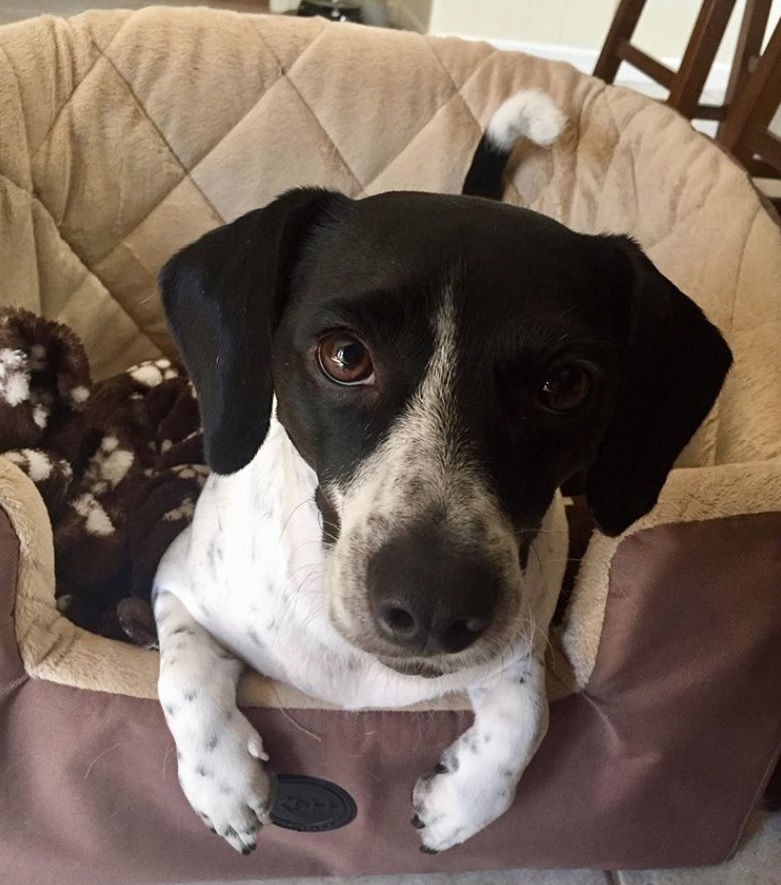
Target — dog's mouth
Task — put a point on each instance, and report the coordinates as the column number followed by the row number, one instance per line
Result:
column 412, row 667
column 395, row 658
column 411, row 664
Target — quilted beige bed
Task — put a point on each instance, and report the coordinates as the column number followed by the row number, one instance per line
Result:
column 124, row 136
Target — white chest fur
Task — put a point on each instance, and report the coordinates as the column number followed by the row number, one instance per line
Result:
column 251, row 569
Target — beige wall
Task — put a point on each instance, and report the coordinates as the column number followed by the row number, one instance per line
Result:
column 663, row 30
column 412, row 14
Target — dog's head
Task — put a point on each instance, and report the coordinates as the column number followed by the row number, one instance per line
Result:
column 444, row 364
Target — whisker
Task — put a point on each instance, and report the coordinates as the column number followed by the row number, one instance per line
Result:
column 308, row 500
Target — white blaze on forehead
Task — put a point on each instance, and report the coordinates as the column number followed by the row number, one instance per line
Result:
column 431, row 418
column 424, row 446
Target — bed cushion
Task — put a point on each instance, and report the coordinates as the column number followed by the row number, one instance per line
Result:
column 126, row 135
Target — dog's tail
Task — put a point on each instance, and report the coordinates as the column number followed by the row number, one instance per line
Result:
column 529, row 113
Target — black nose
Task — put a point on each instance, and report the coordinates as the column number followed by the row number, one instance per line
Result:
column 428, row 596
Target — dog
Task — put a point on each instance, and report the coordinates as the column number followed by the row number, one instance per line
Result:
column 392, row 391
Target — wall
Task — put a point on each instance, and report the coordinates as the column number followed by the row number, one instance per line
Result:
column 414, row 15
column 663, row 30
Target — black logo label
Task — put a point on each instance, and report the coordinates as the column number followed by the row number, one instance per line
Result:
column 310, row 804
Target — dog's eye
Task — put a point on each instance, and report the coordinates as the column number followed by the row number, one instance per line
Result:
column 344, row 359
column 564, row 391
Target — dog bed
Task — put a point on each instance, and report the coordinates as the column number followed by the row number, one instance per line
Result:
column 124, row 136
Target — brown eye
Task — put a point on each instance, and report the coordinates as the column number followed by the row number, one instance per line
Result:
column 344, row 359
column 565, row 390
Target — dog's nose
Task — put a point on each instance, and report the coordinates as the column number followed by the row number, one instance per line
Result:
column 415, row 631
column 430, row 598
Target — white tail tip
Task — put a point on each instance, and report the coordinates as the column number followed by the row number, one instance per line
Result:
column 530, row 113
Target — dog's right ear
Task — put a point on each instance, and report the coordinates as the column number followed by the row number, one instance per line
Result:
column 223, row 297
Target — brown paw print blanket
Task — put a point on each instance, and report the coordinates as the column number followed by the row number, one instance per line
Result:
column 119, row 465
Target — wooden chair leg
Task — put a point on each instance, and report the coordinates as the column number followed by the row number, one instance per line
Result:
column 748, row 47
column 699, row 56
column 753, row 109
column 622, row 27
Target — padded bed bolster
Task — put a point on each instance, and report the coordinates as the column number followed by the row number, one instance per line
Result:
column 658, row 761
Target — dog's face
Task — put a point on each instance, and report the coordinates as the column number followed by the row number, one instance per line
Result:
column 443, row 380
column 443, row 364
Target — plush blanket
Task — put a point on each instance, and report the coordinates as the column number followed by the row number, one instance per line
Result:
column 119, row 465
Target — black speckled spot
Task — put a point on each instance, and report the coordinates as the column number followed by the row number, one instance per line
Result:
column 225, row 789
column 170, row 709
column 440, row 768
column 229, row 831
column 212, row 743
column 506, row 773
column 191, row 694
column 417, row 822
column 204, row 772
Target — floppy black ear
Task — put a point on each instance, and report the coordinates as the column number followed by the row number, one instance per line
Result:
column 675, row 362
column 223, row 296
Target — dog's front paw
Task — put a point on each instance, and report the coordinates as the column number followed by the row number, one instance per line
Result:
column 225, row 782
column 459, row 798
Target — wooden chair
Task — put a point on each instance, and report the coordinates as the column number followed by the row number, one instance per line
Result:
column 745, row 132
column 685, row 85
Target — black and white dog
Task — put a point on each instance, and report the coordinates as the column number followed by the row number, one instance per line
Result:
column 392, row 391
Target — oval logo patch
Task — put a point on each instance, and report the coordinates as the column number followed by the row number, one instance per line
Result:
column 311, row 804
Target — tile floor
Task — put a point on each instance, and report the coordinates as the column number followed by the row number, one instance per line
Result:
column 759, row 860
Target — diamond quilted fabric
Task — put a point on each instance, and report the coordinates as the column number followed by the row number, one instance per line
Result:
column 127, row 135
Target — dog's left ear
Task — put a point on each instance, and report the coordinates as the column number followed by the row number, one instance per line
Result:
column 223, row 296
column 675, row 362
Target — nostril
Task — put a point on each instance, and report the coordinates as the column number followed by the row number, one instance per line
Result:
column 399, row 620
column 476, row 625
column 463, row 633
